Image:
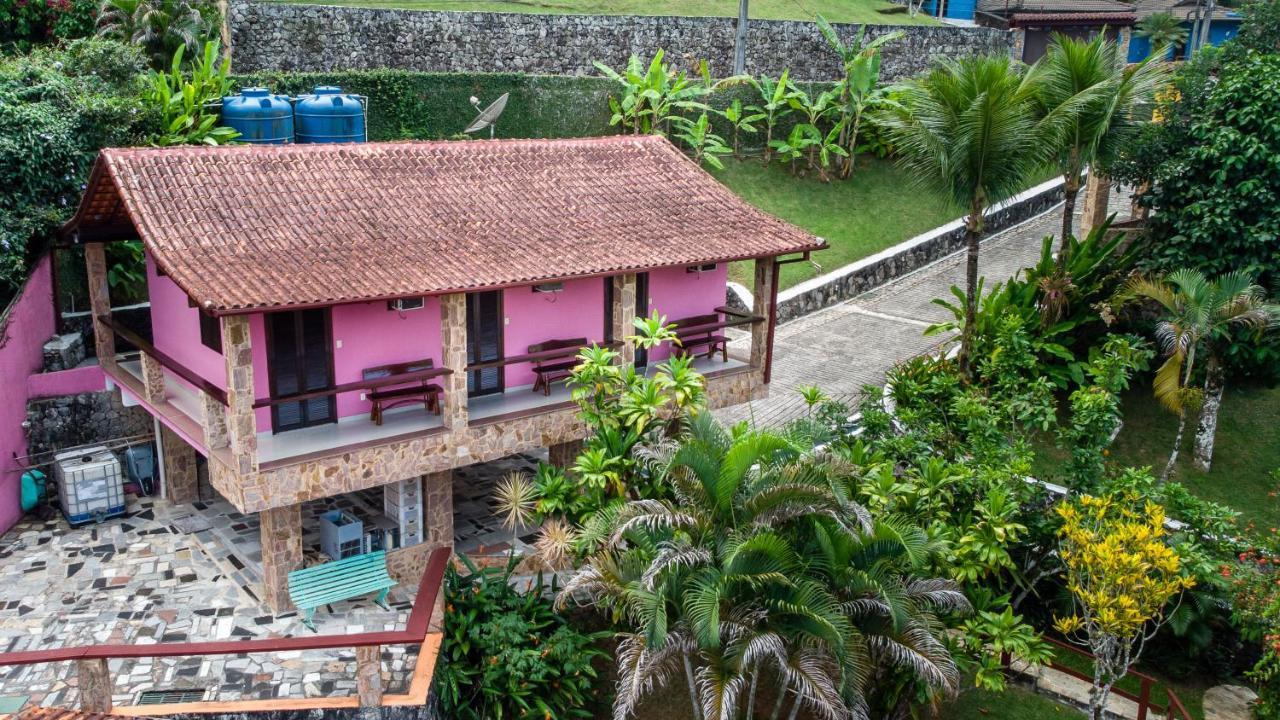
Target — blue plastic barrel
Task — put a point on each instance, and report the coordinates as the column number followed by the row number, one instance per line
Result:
column 329, row 115
column 261, row 118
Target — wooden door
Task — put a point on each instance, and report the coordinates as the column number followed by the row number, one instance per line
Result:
column 300, row 360
column 484, row 341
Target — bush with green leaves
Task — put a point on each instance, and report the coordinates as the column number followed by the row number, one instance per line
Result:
column 508, row 654
column 58, row 107
column 25, row 24
column 186, row 100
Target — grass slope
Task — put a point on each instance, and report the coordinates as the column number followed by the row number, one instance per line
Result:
column 873, row 210
column 1015, row 703
column 848, row 11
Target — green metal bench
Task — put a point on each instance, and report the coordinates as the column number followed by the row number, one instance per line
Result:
column 309, row 588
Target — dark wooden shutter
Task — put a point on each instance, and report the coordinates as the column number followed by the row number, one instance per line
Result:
column 484, row 341
column 301, row 361
column 642, row 310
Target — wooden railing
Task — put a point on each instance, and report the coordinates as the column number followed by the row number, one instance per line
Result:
column 1173, row 710
column 164, row 359
column 95, row 684
column 739, row 319
column 355, row 385
column 536, row 356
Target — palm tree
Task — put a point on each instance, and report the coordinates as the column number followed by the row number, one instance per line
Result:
column 1164, row 31
column 724, row 584
column 1092, row 75
column 1199, row 312
column 969, row 130
column 159, row 26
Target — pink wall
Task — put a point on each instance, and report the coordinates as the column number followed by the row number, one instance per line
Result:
column 679, row 294
column 175, row 326
column 531, row 318
column 88, row 378
column 24, row 328
column 365, row 335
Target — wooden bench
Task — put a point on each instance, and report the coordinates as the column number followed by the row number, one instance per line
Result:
column 556, row 365
column 690, row 336
column 413, row 391
column 331, row 582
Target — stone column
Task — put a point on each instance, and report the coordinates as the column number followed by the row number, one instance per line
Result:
column 181, row 484
column 762, row 300
column 281, row 530
column 1097, row 199
column 564, row 455
column 369, row 676
column 152, row 379
column 624, row 312
column 1019, row 45
column 437, row 516
column 214, row 419
column 241, row 423
column 95, row 259
column 453, row 341
column 95, row 686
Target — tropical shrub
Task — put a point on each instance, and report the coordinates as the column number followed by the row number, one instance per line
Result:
column 159, row 27
column 508, row 654
column 1122, row 575
column 25, row 24
column 184, row 100
column 58, row 107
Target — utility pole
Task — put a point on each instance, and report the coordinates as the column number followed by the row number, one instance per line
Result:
column 1206, row 22
column 740, row 40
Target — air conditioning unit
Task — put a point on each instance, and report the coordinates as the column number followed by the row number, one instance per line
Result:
column 551, row 287
column 705, row 267
column 409, row 303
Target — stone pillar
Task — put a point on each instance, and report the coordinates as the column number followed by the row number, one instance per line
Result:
column 1123, row 38
column 564, row 455
column 369, row 676
column 624, row 313
column 216, row 435
column 281, row 530
column 181, row 484
column 1019, row 46
column 152, row 379
column 1097, row 199
column 95, row 259
column 241, row 423
column 95, row 686
column 762, row 300
column 453, row 341
column 437, row 517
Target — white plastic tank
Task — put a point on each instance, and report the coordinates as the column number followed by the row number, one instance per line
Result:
column 90, row 484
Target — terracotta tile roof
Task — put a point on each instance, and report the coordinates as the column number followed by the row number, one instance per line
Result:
column 248, row 227
column 1053, row 6
column 1072, row 18
column 1182, row 9
column 51, row 713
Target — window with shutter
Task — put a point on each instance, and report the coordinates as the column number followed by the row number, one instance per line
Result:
column 642, row 310
column 484, row 341
column 210, row 332
column 300, row 354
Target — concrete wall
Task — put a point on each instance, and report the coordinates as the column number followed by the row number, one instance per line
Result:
column 24, row 327
column 678, row 294
column 532, row 318
column 271, row 36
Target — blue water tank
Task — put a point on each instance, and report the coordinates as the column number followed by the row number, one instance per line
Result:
column 329, row 115
column 261, row 118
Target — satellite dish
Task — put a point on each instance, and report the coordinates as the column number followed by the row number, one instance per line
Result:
column 487, row 116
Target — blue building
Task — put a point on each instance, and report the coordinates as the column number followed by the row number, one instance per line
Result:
column 1223, row 26
column 1037, row 21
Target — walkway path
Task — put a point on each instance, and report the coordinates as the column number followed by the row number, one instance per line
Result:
column 844, row 347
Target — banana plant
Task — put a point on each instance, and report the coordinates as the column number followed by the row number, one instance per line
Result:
column 815, row 110
column 859, row 89
column 706, row 145
column 775, row 104
column 186, row 103
column 802, row 140
column 741, row 120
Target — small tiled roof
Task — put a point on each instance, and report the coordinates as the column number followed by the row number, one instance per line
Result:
column 1181, row 9
column 249, row 227
column 1053, row 6
column 1073, row 18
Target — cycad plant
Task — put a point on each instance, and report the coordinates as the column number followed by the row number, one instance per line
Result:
column 969, row 131
column 760, row 569
column 1107, row 95
column 1199, row 313
column 161, row 27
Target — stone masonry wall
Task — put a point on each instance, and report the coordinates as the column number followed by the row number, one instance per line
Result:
column 72, row 420
column 277, row 36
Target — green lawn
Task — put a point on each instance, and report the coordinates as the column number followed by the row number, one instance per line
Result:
column 850, row 11
column 1247, row 451
column 1015, row 703
column 875, row 209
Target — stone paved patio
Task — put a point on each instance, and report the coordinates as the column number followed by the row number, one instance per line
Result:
column 170, row 573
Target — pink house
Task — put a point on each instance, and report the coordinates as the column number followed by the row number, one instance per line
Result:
column 291, row 286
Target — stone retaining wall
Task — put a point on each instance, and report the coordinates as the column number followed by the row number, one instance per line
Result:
column 859, row 277
column 277, row 36
column 54, row 424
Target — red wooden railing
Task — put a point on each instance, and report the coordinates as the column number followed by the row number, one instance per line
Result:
column 415, row 632
column 1173, row 710
column 164, row 359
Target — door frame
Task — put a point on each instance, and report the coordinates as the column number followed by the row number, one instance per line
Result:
column 298, row 357
column 502, row 344
column 642, row 311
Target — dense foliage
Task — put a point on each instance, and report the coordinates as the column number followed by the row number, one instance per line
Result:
column 57, row 108
column 27, row 23
column 159, row 27
column 508, row 654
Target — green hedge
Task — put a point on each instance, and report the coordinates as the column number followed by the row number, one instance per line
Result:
column 405, row 104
